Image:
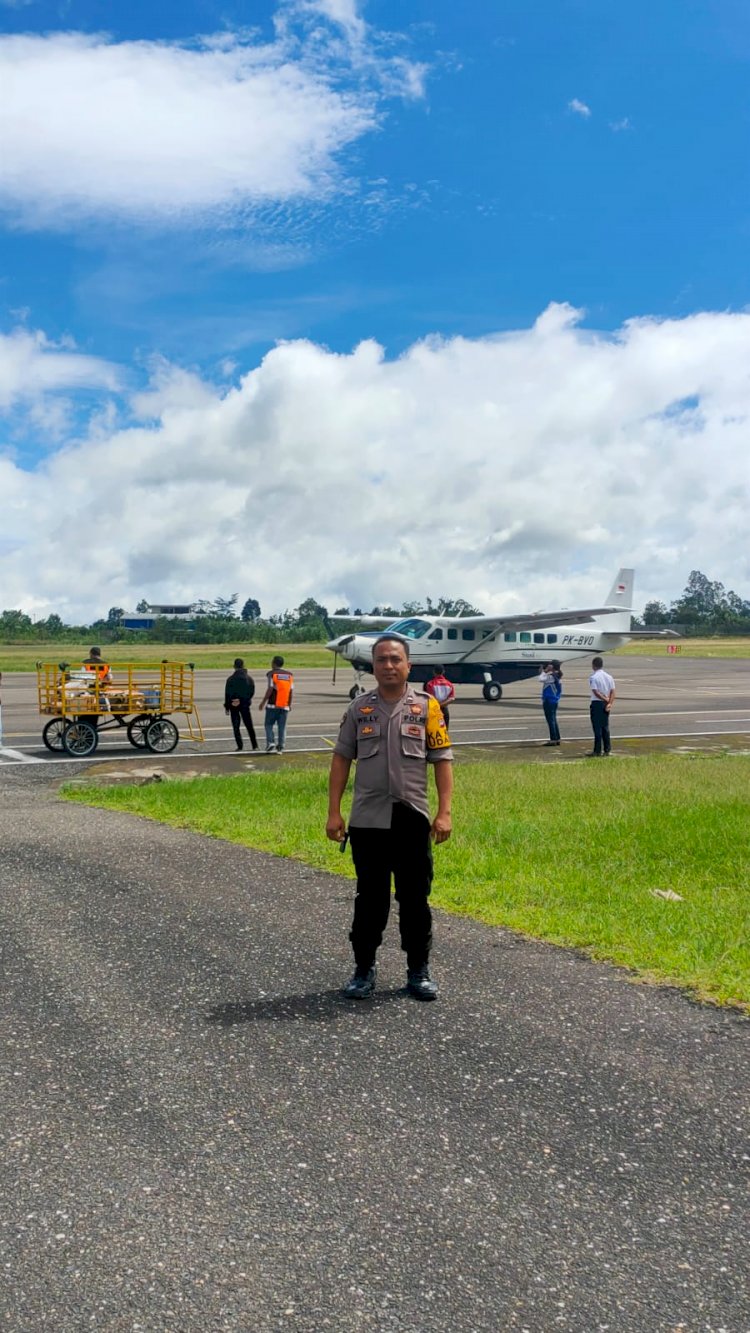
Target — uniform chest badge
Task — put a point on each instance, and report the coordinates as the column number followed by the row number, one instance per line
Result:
column 413, row 731
column 367, row 708
column 416, row 710
column 366, row 731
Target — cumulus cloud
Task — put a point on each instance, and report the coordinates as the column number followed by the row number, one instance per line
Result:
column 579, row 108
column 519, row 471
column 164, row 131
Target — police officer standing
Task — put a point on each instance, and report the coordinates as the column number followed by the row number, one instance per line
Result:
column 394, row 733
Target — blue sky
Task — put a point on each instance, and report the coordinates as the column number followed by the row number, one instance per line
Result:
column 473, row 165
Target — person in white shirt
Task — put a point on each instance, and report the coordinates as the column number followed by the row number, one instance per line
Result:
column 602, row 688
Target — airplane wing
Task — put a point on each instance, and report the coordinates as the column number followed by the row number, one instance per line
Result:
column 374, row 621
column 535, row 619
column 647, row 633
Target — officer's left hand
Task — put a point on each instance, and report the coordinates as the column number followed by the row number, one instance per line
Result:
column 441, row 828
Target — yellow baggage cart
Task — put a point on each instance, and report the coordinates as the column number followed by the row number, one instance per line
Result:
column 138, row 697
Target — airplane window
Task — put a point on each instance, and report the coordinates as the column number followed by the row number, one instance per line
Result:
column 525, row 638
column 551, row 638
column 467, row 634
column 436, row 634
column 538, row 638
column 410, row 629
column 452, row 633
column 511, row 637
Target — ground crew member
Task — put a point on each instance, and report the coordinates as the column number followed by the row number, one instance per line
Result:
column 98, row 669
column 100, row 673
column 277, row 702
column 394, row 733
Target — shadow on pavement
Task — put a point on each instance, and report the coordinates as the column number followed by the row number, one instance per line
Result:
column 317, row 1007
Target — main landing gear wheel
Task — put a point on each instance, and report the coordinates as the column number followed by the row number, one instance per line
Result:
column 162, row 736
column 492, row 691
column 53, row 734
column 356, row 690
column 80, row 739
column 137, row 728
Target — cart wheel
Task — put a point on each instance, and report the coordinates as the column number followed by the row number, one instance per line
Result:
column 53, row 733
column 137, row 728
column 162, row 736
column 80, row 739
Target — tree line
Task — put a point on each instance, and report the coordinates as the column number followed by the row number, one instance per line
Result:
column 218, row 621
column 705, row 607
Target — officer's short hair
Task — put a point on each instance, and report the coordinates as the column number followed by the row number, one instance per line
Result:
column 597, row 664
column 391, row 638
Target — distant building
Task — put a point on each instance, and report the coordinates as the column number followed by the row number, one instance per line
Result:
column 144, row 620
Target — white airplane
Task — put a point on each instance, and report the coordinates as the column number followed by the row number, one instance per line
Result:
column 491, row 651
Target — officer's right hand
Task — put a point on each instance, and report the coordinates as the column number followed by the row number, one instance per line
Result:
column 335, row 828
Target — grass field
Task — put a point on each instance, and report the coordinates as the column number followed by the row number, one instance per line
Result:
column 257, row 657
column 687, row 648
column 578, row 855
column 24, row 657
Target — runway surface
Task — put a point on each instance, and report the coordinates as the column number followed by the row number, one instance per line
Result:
column 201, row 1135
column 659, row 696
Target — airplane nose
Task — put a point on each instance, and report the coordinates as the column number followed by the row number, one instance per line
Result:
column 339, row 645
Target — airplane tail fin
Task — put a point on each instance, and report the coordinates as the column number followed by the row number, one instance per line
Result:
column 621, row 592
column 621, row 596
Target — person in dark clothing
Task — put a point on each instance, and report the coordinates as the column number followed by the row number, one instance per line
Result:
column 238, row 693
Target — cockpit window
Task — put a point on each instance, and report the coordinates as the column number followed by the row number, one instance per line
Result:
column 410, row 629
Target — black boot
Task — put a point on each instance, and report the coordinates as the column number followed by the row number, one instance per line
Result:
column 361, row 984
column 419, row 983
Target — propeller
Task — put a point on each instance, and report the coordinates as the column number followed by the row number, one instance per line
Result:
column 341, row 643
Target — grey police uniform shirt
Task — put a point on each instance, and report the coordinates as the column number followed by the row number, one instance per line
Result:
column 390, row 744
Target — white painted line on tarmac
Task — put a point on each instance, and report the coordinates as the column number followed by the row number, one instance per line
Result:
column 17, row 757
column 526, row 742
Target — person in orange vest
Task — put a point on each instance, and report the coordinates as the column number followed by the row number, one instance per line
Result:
column 98, row 672
column 277, row 702
column 97, row 667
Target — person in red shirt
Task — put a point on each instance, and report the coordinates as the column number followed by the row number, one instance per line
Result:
column 441, row 689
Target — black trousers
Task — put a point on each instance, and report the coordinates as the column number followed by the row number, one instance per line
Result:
column 403, row 851
column 600, row 724
column 242, row 713
column 550, row 713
